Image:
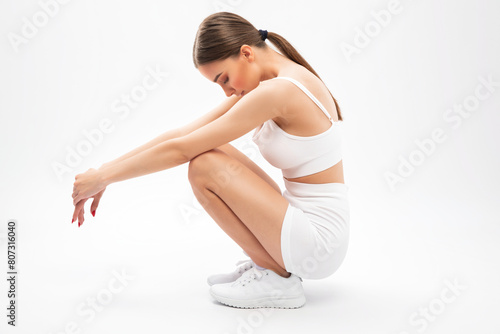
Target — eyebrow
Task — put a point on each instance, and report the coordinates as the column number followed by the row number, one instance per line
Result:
column 217, row 77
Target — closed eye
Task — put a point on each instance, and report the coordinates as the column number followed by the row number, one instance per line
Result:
column 227, row 79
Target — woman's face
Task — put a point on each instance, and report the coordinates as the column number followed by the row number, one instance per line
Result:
column 236, row 75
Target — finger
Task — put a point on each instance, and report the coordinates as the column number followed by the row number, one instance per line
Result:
column 94, row 205
column 80, row 217
column 75, row 214
column 78, row 208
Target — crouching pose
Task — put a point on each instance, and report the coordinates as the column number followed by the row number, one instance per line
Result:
column 300, row 233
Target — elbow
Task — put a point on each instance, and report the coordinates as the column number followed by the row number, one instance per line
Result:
column 183, row 159
column 181, row 155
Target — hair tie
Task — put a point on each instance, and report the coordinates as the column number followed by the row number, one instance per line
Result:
column 263, row 34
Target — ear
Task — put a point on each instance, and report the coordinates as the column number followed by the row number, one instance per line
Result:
column 246, row 52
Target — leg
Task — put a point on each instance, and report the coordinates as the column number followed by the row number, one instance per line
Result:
column 247, row 207
column 236, row 154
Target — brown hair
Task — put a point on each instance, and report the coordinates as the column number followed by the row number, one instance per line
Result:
column 221, row 35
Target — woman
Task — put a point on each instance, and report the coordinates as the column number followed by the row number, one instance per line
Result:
column 302, row 233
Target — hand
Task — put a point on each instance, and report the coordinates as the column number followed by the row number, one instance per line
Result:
column 87, row 184
column 79, row 208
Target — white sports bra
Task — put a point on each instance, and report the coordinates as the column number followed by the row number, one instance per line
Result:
column 299, row 156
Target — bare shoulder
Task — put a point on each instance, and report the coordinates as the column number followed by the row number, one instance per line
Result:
column 282, row 96
column 272, row 95
column 295, row 100
column 274, row 89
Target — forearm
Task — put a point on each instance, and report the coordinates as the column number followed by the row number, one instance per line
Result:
column 162, row 156
column 174, row 133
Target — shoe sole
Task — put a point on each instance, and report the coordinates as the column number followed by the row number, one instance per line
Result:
column 282, row 303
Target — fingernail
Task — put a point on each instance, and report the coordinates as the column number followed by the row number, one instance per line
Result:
column 72, row 220
column 93, row 213
column 79, row 224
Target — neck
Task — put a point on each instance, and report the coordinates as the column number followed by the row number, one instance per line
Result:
column 271, row 63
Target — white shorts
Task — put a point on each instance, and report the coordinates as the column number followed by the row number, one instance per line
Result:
column 315, row 232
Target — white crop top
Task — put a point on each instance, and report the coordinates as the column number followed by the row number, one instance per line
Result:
column 299, row 156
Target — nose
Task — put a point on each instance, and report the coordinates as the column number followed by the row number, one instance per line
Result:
column 228, row 91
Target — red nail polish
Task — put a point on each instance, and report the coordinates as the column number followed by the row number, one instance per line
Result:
column 93, row 213
column 72, row 220
column 79, row 224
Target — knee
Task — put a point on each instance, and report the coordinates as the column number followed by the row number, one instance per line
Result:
column 201, row 164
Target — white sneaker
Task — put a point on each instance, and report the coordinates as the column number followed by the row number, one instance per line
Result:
column 261, row 288
column 244, row 265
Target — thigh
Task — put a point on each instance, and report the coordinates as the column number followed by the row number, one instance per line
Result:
column 253, row 200
column 235, row 153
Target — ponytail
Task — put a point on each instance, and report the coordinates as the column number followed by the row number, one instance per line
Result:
column 291, row 53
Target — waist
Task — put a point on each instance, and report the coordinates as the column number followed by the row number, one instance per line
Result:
column 333, row 174
column 315, row 189
column 318, row 199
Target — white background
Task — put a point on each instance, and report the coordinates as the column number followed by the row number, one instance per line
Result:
column 440, row 224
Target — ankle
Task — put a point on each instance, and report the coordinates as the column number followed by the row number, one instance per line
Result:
column 278, row 270
column 282, row 273
column 258, row 267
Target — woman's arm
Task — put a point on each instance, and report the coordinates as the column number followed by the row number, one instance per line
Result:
column 159, row 157
column 162, row 156
column 258, row 106
column 170, row 134
column 218, row 111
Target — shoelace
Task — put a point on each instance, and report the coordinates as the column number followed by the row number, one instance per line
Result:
column 256, row 274
column 244, row 265
column 253, row 274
